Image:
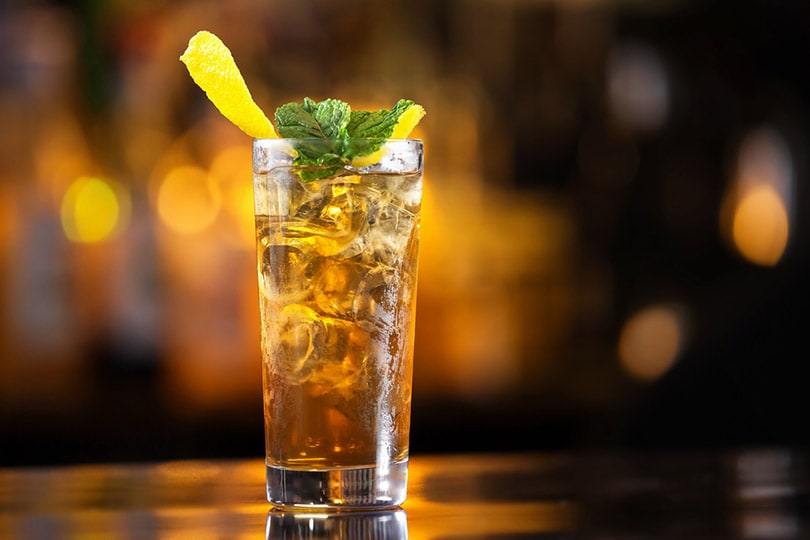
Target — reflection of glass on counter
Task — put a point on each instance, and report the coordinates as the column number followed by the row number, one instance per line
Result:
column 769, row 485
column 391, row 525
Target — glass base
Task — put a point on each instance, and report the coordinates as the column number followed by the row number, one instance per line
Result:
column 345, row 489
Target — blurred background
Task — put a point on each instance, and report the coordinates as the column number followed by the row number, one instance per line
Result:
column 615, row 236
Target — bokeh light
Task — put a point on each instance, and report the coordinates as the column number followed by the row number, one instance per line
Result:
column 93, row 209
column 188, row 200
column 638, row 87
column 232, row 172
column 757, row 212
column 760, row 227
column 650, row 342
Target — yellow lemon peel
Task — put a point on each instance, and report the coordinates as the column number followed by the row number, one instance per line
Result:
column 211, row 65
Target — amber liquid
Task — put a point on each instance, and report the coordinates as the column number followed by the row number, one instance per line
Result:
column 337, row 277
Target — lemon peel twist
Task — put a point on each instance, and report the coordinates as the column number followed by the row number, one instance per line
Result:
column 213, row 68
column 211, row 65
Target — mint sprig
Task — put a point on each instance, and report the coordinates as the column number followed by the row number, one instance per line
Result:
column 335, row 133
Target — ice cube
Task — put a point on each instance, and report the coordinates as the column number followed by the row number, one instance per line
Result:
column 336, row 286
column 328, row 353
column 358, row 292
column 285, row 273
column 388, row 237
column 399, row 157
column 342, row 361
column 277, row 192
column 298, row 328
column 410, row 193
column 376, row 297
column 269, row 154
column 332, row 218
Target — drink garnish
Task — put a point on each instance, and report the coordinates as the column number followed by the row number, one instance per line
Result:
column 348, row 137
column 343, row 136
column 213, row 68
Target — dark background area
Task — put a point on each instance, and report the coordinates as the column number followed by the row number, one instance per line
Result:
column 582, row 159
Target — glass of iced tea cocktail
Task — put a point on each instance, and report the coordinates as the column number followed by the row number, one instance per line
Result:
column 337, row 194
column 337, row 259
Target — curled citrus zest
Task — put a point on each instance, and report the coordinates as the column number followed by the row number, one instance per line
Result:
column 211, row 65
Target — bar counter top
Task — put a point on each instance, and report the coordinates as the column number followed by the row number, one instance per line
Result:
column 757, row 493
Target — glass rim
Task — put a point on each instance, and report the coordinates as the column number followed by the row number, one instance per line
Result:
column 271, row 153
column 385, row 139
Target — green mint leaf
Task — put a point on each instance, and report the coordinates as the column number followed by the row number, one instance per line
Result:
column 327, row 119
column 295, row 121
column 333, row 117
column 370, row 129
column 361, row 147
column 324, row 166
column 323, row 121
column 332, row 134
column 378, row 124
column 309, row 105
